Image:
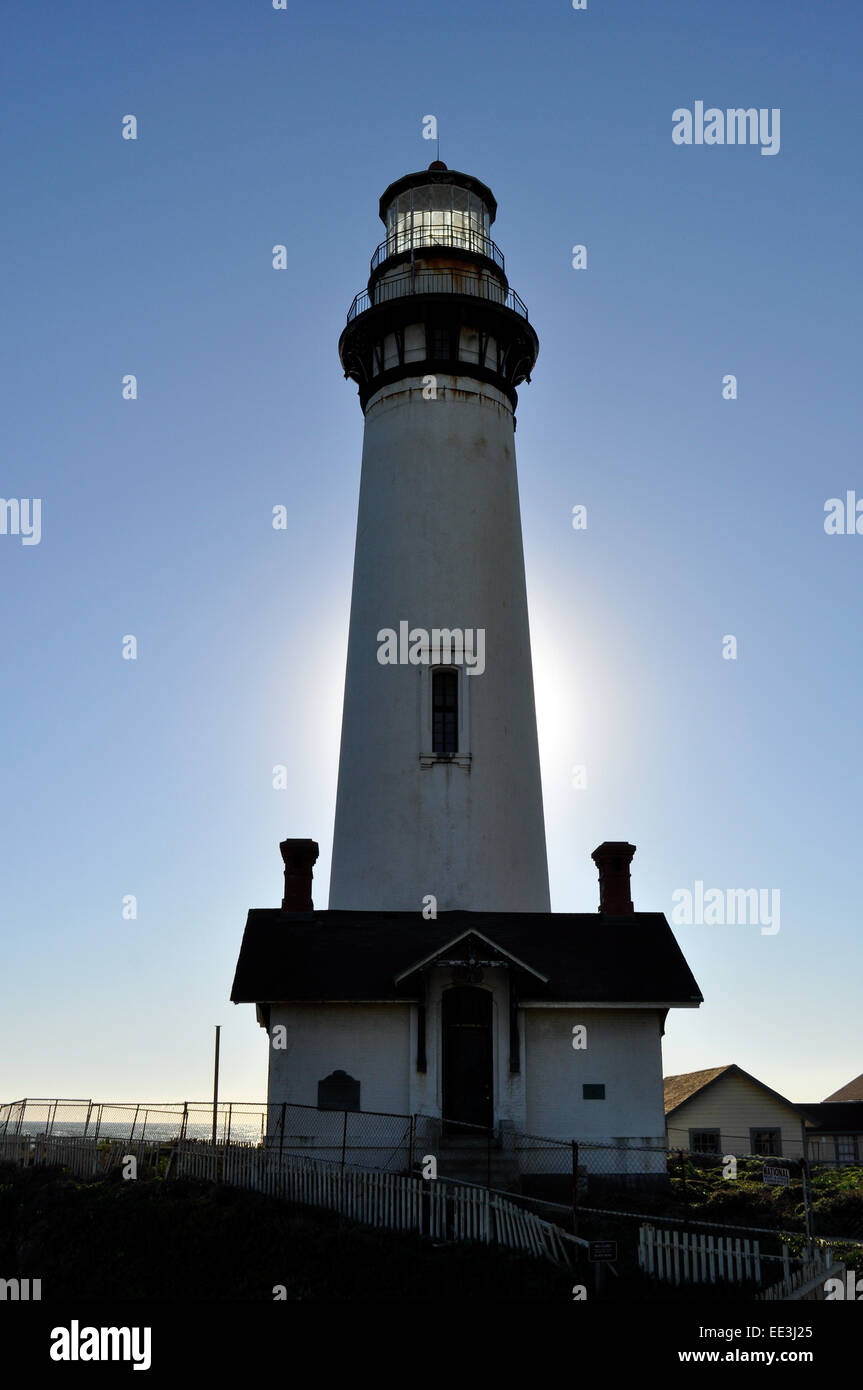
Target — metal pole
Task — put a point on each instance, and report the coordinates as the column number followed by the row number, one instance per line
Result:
column 411, row 1134
column 134, row 1122
column 804, row 1174
column 574, row 1188
column 216, row 1083
column 282, row 1127
column 344, row 1139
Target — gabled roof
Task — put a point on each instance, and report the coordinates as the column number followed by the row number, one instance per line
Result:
column 467, row 942
column 853, row 1091
column 354, row 956
column 679, row 1089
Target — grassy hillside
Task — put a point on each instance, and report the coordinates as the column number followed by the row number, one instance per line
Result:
column 185, row 1239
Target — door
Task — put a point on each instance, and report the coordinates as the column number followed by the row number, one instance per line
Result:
column 468, row 1094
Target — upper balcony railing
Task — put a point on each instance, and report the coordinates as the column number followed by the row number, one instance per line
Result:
column 445, row 237
column 436, row 282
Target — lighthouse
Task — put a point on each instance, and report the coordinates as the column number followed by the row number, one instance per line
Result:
column 438, row 993
column 439, row 794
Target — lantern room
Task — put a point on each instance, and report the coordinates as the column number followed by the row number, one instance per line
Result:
column 438, row 207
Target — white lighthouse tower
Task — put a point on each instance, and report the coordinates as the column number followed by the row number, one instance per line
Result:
column 439, row 787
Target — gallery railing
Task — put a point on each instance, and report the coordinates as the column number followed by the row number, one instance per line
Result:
column 446, row 238
column 437, row 282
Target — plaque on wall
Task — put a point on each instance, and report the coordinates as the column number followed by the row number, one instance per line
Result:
column 338, row 1091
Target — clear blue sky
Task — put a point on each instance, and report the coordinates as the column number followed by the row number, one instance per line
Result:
column 705, row 516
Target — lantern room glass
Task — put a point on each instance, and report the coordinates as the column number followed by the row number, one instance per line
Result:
column 438, row 214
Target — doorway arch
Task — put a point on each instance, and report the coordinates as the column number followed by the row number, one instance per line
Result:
column 468, row 1056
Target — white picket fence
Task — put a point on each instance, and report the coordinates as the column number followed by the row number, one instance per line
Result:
column 436, row 1208
column 685, row 1256
column 439, row 1209
column 806, row 1283
column 87, row 1158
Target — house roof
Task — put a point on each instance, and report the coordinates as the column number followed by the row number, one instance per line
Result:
column 835, row 1117
column 679, row 1089
column 853, row 1091
column 355, row 956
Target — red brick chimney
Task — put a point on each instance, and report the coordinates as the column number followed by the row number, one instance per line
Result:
column 613, row 858
column 299, row 857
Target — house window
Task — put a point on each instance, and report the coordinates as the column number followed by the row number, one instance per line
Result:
column 704, row 1141
column 445, row 712
column 846, row 1148
column 766, row 1141
column 593, row 1091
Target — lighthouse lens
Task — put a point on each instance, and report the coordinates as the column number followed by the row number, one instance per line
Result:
column 437, row 215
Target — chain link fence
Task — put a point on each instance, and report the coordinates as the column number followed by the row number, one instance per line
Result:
column 623, row 1178
column 167, row 1121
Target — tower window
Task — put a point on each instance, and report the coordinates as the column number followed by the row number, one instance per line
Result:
column 438, row 344
column 445, row 712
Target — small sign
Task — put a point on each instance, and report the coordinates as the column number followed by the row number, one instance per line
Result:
column 602, row 1250
column 776, row 1177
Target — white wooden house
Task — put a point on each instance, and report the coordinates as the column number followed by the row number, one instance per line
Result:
column 724, row 1110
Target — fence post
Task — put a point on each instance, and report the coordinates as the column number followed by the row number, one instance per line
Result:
column 411, row 1136
column 216, row 1084
column 228, row 1135
column 683, row 1174
column 488, row 1157
column 183, row 1122
column 87, row 1121
column 282, row 1128
column 134, row 1122
column 344, row 1139
column 574, row 1188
